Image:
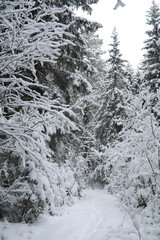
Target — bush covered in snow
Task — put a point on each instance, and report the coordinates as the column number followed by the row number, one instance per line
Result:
column 37, row 124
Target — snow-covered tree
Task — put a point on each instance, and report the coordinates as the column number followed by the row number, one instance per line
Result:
column 66, row 75
column 93, row 56
column 68, row 78
column 91, row 102
column 132, row 77
column 32, row 113
column 131, row 168
column 151, row 62
column 112, row 112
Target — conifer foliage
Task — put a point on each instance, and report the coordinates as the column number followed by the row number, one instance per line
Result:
column 112, row 112
column 34, row 116
column 130, row 168
column 151, row 63
column 30, row 34
column 67, row 117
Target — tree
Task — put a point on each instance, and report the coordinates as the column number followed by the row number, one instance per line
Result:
column 151, row 62
column 68, row 78
column 66, row 74
column 91, row 102
column 32, row 113
column 131, row 168
column 96, row 77
column 112, row 113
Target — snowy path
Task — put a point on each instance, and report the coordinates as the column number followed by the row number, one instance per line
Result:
column 96, row 217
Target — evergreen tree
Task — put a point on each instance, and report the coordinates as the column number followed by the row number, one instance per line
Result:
column 68, row 75
column 30, row 35
column 94, row 55
column 68, row 78
column 138, row 79
column 35, row 120
column 131, row 166
column 116, row 63
column 130, row 75
column 112, row 112
column 91, row 102
column 151, row 63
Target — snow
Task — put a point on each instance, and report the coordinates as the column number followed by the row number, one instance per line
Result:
column 158, row 42
column 97, row 216
column 1, row 116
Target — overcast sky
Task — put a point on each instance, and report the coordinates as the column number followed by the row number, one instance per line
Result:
column 130, row 22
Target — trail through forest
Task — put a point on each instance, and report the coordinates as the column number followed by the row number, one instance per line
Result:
column 97, row 216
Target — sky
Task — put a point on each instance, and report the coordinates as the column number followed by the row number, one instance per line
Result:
column 130, row 22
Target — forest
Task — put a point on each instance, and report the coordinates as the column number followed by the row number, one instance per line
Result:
column 70, row 118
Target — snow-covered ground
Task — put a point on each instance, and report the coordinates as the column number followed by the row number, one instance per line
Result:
column 97, row 216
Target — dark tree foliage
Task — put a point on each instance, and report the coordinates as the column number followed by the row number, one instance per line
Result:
column 151, row 62
column 41, row 55
column 84, row 4
column 69, row 76
column 112, row 113
column 66, row 74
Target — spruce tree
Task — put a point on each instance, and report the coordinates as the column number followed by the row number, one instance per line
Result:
column 68, row 75
column 91, row 102
column 151, row 62
column 112, row 112
column 35, row 122
column 68, row 78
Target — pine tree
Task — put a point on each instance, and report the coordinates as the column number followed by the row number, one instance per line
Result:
column 68, row 75
column 94, row 55
column 33, row 112
column 131, row 166
column 112, row 112
column 116, row 63
column 68, row 78
column 151, row 63
column 91, row 102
